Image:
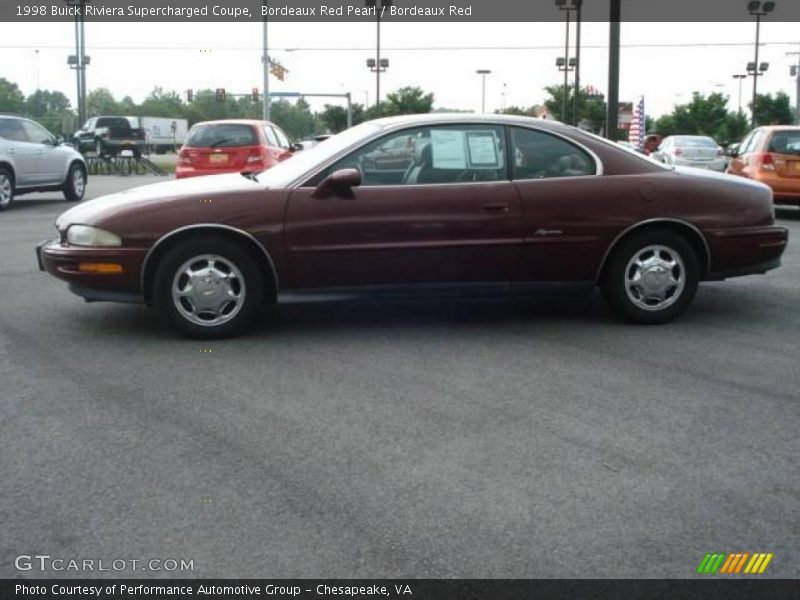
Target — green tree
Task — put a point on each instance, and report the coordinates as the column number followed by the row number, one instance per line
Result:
column 101, row 102
column 704, row 115
column 206, row 107
column 12, row 100
column 405, row 101
column 162, row 103
column 50, row 109
column 295, row 118
column 591, row 109
column 334, row 117
column 771, row 110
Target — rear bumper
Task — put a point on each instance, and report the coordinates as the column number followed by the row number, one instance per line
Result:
column 745, row 250
column 63, row 262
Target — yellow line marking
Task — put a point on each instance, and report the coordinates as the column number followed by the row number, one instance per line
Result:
column 741, row 562
column 765, row 563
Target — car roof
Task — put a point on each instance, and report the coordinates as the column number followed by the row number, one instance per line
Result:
column 771, row 128
column 493, row 119
column 255, row 122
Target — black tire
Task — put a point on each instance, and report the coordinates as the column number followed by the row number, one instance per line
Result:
column 227, row 250
column 73, row 192
column 614, row 283
column 6, row 188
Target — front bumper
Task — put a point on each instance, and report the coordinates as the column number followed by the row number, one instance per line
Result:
column 62, row 261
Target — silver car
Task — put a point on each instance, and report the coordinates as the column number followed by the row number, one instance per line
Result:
column 691, row 151
column 33, row 160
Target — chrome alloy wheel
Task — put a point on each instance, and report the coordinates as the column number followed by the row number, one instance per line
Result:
column 78, row 182
column 5, row 190
column 655, row 277
column 208, row 290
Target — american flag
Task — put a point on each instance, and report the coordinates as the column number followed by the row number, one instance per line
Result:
column 636, row 132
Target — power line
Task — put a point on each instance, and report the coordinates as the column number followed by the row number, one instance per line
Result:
column 398, row 48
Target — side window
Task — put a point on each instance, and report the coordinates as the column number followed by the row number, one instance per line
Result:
column 272, row 140
column 36, row 133
column 11, row 129
column 539, row 155
column 745, row 143
column 283, row 141
column 430, row 155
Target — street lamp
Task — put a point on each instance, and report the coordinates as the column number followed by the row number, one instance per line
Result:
column 381, row 68
column 740, row 77
column 483, row 73
column 566, row 65
column 758, row 9
column 568, row 6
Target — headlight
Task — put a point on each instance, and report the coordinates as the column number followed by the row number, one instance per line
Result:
column 84, row 235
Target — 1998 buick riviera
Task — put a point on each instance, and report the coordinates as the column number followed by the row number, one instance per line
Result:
column 464, row 199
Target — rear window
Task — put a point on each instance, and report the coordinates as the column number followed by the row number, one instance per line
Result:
column 228, row 135
column 785, row 142
column 696, row 143
column 113, row 122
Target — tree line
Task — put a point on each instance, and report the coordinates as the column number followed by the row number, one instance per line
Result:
column 703, row 115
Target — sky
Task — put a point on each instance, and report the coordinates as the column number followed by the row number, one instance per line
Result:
column 132, row 58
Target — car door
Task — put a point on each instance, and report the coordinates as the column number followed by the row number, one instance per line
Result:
column 50, row 159
column 563, row 231
column 23, row 153
column 451, row 216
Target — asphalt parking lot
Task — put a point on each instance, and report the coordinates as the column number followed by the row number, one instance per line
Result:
column 475, row 438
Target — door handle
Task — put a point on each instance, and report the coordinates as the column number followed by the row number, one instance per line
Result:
column 496, row 207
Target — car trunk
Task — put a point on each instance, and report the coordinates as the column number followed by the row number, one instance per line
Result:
column 228, row 146
column 221, row 158
column 786, row 165
column 698, row 153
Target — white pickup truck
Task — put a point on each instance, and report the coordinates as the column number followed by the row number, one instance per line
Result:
column 162, row 134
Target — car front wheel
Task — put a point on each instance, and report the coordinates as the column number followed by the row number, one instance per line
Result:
column 6, row 188
column 652, row 277
column 75, row 185
column 208, row 288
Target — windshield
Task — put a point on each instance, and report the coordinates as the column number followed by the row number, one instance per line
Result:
column 304, row 161
column 222, row 135
column 785, row 142
column 695, row 142
column 629, row 150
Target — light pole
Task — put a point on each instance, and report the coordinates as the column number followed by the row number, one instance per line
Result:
column 79, row 61
column 483, row 73
column 565, row 65
column 504, row 96
column 378, row 61
column 612, row 107
column 740, row 77
column 794, row 71
column 265, row 63
column 756, row 70
column 578, row 4
column 567, row 6
column 758, row 9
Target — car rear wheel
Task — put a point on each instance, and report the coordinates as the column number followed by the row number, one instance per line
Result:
column 208, row 288
column 6, row 188
column 652, row 277
column 75, row 185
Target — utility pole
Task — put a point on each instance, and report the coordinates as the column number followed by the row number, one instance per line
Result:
column 265, row 61
column 483, row 73
column 795, row 71
column 612, row 108
column 578, row 4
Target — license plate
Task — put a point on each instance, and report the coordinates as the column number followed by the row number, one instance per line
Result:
column 218, row 159
column 126, row 153
column 795, row 165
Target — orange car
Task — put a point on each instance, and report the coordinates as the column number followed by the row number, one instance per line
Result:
column 771, row 155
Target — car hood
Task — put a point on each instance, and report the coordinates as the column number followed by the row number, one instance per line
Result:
column 92, row 211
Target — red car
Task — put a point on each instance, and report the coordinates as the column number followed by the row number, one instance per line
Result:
column 488, row 201
column 232, row 146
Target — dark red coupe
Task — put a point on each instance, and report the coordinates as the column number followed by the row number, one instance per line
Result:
column 483, row 201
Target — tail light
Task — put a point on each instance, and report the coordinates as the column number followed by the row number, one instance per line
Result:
column 764, row 161
column 183, row 159
column 256, row 156
column 678, row 151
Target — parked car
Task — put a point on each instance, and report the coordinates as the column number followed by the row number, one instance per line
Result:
column 771, row 155
column 34, row 160
column 559, row 204
column 110, row 136
column 232, row 146
column 691, row 151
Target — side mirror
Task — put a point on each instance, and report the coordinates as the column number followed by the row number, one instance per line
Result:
column 340, row 183
column 733, row 150
column 59, row 140
column 296, row 147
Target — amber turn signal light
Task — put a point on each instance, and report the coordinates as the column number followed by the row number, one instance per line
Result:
column 101, row 268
